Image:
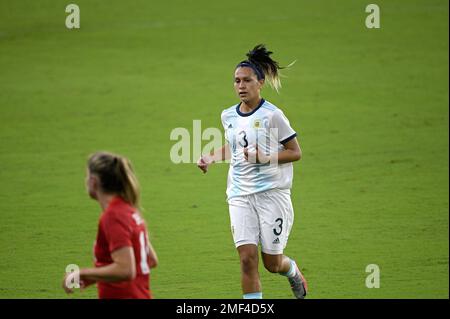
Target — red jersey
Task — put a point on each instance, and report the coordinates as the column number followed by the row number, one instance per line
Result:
column 121, row 225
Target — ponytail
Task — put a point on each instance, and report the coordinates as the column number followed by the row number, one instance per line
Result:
column 264, row 66
column 116, row 176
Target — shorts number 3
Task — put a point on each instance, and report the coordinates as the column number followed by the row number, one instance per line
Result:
column 278, row 232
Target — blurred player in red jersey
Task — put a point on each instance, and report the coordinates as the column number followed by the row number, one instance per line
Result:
column 123, row 253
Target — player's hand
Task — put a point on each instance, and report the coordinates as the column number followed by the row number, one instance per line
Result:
column 85, row 283
column 256, row 157
column 203, row 162
column 67, row 280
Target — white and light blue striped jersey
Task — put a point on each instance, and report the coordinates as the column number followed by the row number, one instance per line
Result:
column 267, row 127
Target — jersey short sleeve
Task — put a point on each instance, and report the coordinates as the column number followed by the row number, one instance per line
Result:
column 117, row 231
column 281, row 122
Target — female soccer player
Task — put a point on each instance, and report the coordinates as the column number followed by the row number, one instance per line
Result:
column 123, row 253
column 262, row 146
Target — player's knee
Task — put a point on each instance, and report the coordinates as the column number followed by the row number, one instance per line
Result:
column 249, row 263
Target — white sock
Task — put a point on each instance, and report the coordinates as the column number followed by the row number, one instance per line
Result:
column 292, row 270
column 253, row 295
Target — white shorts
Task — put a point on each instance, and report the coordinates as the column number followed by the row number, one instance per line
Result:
column 264, row 218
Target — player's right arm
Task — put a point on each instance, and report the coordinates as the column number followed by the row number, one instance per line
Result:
column 221, row 154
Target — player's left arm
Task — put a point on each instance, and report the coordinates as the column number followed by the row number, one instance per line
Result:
column 286, row 135
column 291, row 153
column 151, row 255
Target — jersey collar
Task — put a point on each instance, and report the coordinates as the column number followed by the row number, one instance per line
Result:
column 249, row 113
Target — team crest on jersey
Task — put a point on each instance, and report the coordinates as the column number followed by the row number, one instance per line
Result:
column 260, row 123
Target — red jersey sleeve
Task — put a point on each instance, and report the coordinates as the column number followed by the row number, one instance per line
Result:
column 117, row 231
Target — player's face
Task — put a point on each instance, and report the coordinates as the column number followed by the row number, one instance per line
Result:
column 246, row 84
column 91, row 185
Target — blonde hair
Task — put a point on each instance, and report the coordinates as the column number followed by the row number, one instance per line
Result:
column 116, row 176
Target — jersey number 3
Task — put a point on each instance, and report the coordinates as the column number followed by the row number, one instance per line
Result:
column 244, row 138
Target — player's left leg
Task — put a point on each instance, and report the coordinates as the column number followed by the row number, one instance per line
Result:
column 276, row 263
column 276, row 216
column 286, row 266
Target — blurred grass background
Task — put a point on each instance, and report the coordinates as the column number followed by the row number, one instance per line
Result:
column 370, row 107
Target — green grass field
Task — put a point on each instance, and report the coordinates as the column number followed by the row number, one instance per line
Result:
column 370, row 107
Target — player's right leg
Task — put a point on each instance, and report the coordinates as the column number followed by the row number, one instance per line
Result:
column 245, row 230
column 250, row 282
